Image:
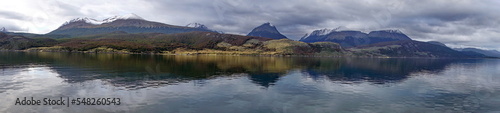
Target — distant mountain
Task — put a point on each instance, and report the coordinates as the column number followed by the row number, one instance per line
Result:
column 354, row 38
column 489, row 53
column 130, row 23
column 17, row 42
column 467, row 53
column 266, row 30
column 3, row 30
column 410, row 48
column 201, row 26
column 197, row 25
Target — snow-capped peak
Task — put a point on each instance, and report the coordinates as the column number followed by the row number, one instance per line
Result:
column 393, row 31
column 197, row 25
column 85, row 19
column 321, row 32
column 122, row 17
column 107, row 20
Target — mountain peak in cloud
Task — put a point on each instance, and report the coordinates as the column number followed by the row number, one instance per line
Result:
column 107, row 20
column 320, row 32
column 123, row 17
column 392, row 34
column 393, row 31
column 197, row 25
column 350, row 38
column 323, row 32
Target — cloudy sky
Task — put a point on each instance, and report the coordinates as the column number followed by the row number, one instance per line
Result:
column 457, row 23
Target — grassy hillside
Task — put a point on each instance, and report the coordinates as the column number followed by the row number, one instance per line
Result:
column 189, row 43
column 221, row 44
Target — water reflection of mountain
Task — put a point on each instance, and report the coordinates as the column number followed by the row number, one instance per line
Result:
column 265, row 79
column 373, row 70
column 140, row 71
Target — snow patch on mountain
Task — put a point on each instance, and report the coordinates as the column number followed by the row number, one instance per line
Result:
column 107, row 20
column 122, row 17
column 197, row 25
column 201, row 26
column 268, row 23
column 320, row 32
column 323, row 32
column 393, row 31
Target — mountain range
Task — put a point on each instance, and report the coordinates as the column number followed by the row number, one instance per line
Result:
column 130, row 23
column 354, row 38
column 133, row 34
column 411, row 48
column 488, row 53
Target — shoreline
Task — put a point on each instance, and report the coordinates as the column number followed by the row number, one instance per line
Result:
column 235, row 54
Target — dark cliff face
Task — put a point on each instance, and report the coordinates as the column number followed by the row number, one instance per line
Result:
column 267, row 30
column 355, row 38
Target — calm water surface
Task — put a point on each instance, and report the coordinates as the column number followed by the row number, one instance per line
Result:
column 228, row 84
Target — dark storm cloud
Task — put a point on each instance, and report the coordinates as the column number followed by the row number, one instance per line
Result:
column 458, row 22
column 249, row 14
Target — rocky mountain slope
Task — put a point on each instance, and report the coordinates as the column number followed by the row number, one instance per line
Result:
column 267, row 30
